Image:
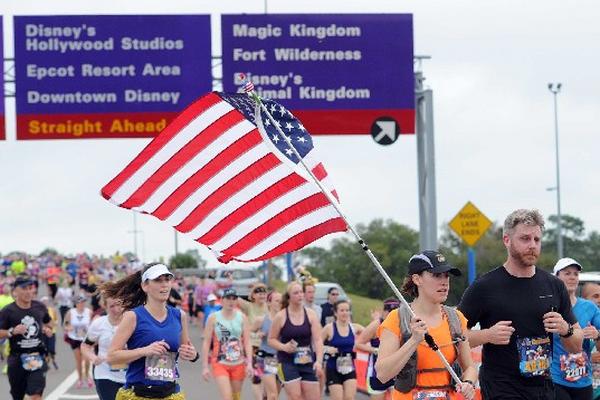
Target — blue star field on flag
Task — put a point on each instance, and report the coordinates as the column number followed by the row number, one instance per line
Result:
column 290, row 126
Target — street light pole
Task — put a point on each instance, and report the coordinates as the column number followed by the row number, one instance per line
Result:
column 555, row 90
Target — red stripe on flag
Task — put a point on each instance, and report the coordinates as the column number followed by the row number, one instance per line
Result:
column 335, row 194
column 239, row 147
column 256, row 204
column 303, row 238
column 182, row 120
column 179, row 159
column 235, row 184
column 295, row 211
column 319, row 171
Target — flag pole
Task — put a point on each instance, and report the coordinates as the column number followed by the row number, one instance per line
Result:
column 249, row 89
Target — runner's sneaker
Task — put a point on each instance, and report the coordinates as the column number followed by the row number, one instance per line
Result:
column 79, row 384
column 90, row 383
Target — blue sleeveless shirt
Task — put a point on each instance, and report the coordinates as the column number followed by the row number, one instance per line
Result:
column 344, row 344
column 148, row 330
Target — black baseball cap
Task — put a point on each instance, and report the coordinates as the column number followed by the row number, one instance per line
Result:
column 22, row 280
column 230, row 292
column 432, row 261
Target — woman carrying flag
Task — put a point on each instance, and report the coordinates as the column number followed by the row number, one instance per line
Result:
column 403, row 353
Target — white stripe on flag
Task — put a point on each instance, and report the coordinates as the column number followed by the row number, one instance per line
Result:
column 312, row 160
column 178, row 141
column 195, row 164
column 274, row 208
column 239, row 199
column 292, row 229
column 214, row 183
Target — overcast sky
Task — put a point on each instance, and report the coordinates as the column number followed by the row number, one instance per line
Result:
column 494, row 126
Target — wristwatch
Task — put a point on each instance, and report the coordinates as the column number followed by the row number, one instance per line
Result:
column 10, row 332
column 569, row 332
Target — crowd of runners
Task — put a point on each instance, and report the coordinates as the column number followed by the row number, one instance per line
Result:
column 129, row 327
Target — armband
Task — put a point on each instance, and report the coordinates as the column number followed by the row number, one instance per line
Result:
column 10, row 332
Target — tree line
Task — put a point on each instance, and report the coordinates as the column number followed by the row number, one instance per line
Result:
column 393, row 244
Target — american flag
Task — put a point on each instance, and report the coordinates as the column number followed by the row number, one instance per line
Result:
column 222, row 174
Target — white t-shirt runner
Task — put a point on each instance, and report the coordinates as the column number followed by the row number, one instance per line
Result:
column 79, row 323
column 101, row 332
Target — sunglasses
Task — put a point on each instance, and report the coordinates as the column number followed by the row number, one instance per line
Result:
column 390, row 306
column 230, row 297
column 334, row 294
column 260, row 290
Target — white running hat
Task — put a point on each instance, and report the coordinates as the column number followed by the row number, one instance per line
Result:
column 564, row 263
column 211, row 297
column 155, row 271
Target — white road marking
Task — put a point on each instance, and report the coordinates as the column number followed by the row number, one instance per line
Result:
column 59, row 392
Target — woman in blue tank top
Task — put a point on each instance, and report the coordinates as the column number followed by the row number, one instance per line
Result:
column 296, row 335
column 340, row 337
column 368, row 341
column 151, row 336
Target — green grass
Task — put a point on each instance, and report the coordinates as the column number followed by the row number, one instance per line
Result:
column 361, row 306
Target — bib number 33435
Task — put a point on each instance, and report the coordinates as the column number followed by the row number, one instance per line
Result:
column 161, row 367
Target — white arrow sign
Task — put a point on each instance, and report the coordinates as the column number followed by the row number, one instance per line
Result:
column 388, row 128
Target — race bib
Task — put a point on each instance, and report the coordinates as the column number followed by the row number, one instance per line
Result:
column 230, row 351
column 535, row 355
column 161, row 367
column 595, row 375
column 32, row 361
column 573, row 367
column 81, row 331
column 266, row 366
column 271, row 365
column 303, row 355
column 430, row 395
column 344, row 364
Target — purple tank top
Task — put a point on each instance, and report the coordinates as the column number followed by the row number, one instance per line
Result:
column 302, row 334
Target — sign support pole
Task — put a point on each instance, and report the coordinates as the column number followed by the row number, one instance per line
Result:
column 428, row 239
column 471, row 263
column 289, row 265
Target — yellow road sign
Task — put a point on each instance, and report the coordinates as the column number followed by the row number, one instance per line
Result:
column 470, row 224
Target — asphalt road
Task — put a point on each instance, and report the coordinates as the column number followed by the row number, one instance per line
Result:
column 60, row 383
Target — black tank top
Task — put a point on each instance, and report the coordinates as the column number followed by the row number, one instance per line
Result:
column 302, row 334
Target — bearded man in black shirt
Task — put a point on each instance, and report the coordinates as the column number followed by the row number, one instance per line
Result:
column 24, row 322
column 519, row 307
